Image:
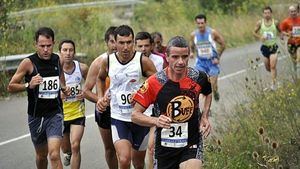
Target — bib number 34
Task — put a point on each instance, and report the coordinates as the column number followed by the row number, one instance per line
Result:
column 176, row 136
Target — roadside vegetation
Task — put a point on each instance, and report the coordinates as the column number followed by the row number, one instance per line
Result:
column 265, row 133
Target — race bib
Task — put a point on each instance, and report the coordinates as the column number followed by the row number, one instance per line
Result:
column 123, row 100
column 75, row 90
column 268, row 35
column 49, row 89
column 176, row 136
column 296, row 31
column 204, row 50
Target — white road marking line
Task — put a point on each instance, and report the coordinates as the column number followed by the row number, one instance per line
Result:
column 14, row 139
column 28, row 135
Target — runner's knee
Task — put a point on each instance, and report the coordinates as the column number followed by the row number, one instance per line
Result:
column 124, row 160
column 75, row 147
column 54, row 155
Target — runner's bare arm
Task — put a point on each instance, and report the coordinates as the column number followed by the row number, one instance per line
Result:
column 277, row 24
column 65, row 89
column 103, row 100
column 256, row 30
column 15, row 84
column 90, row 81
column 205, row 126
column 148, row 67
column 138, row 117
column 221, row 42
column 84, row 70
column 192, row 45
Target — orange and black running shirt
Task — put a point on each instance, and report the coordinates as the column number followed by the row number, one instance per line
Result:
column 292, row 25
column 179, row 101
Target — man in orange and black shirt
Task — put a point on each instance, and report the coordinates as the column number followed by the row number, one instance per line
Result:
column 290, row 27
column 180, row 126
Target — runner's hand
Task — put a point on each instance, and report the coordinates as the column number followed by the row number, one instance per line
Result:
column 215, row 61
column 204, row 127
column 263, row 38
column 80, row 96
column 163, row 121
column 66, row 90
column 102, row 103
column 35, row 80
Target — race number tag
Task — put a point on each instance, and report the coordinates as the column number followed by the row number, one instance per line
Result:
column 176, row 136
column 75, row 90
column 49, row 88
column 124, row 103
column 204, row 50
column 296, row 31
column 269, row 35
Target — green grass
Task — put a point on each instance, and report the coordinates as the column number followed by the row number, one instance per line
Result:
column 262, row 134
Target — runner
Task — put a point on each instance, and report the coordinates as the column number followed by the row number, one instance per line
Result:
column 126, row 70
column 266, row 31
column 103, row 119
column 204, row 41
column 158, row 48
column 290, row 27
column 44, row 79
column 73, row 105
column 175, row 93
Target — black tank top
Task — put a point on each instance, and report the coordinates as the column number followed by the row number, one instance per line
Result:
column 41, row 107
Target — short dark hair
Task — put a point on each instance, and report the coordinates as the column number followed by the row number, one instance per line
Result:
column 109, row 31
column 156, row 34
column 177, row 41
column 66, row 41
column 143, row 36
column 124, row 30
column 267, row 8
column 45, row 31
column 200, row 16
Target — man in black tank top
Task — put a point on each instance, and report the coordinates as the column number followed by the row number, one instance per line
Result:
column 43, row 82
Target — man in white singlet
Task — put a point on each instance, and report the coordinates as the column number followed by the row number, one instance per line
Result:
column 126, row 70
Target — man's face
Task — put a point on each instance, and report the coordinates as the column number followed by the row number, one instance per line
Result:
column 178, row 58
column 157, row 44
column 125, row 46
column 292, row 12
column 44, row 47
column 111, row 44
column 201, row 24
column 143, row 46
column 67, row 52
column 267, row 14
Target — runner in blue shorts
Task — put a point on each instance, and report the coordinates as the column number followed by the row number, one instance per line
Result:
column 204, row 41
column 44, row 79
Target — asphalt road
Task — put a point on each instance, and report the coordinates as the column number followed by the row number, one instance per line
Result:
column 16, row 149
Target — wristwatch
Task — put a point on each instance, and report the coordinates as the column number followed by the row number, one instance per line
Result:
column 26, row 85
